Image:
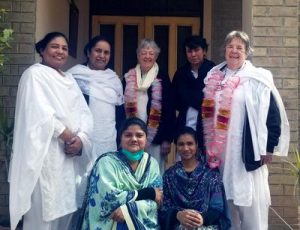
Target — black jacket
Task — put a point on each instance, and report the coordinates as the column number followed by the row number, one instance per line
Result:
column 274, row 131
column 188, row 92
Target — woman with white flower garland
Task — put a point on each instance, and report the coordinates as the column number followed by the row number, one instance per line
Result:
column 245, row 123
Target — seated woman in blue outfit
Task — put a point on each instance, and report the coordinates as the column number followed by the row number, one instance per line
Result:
column 124, row 188
column 194, row 195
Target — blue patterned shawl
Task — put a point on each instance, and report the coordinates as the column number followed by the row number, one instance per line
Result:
column 200, row 190
column 113, row 184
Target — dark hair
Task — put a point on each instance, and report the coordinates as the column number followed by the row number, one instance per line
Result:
column 92, row 43
column 133, row 121
column 195, row 41
column 42, row 44
column 186, row 130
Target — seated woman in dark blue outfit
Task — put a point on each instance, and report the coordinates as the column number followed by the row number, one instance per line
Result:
column 194, row 195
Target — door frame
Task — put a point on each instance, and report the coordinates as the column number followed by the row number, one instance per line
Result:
column 146, row 27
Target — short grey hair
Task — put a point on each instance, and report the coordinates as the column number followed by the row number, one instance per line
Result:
column 145, row 43
column 241, row 35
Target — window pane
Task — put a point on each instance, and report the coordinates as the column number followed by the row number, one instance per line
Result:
column 161, row 37
column 182, row 33
column 108, row 31
column 130, row 42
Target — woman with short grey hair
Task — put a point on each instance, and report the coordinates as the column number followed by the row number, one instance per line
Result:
column 245, row 124
column 148, row 96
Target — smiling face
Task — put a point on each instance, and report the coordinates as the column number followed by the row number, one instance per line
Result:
column 56, row 53
column 146, row 58
column 133, row 139
column 235, row 53
column 186, row 147
column 99, row 56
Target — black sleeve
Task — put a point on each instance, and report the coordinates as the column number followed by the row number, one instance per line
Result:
column 273, row 125
column 120, row 118
column 168, row 116
column 211, row 217
column 146, row 193
column 187, row 90
column 186, row 95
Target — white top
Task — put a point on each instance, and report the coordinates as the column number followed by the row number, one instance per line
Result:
column 47, row 103
column 192, row 114
column 253, row 93
column 105, row 92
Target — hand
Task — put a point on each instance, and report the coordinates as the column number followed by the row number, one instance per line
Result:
column 266, row 159
column 165, row 148
column 158, row 195
column 73, row 147
column 189, row 218
column 117, row 215
column 66, row 135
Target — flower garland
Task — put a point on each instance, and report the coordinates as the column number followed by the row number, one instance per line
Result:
column 215, row 131
column 131, row 102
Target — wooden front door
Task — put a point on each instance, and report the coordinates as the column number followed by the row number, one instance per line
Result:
column 126, row 32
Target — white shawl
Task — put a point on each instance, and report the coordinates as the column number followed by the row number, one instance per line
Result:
column 45, row 97
column 257, row 97
column 104, row 85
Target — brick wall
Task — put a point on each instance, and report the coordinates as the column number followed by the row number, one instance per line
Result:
column 275, row 36
column 21, row 19
column 226, row 16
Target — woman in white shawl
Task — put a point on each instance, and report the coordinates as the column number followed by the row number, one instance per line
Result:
column 245, row 123
column 51, row 142
column 148, row 95
column 103, row 92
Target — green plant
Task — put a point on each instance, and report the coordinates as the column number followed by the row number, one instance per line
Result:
column 5, row 38
column 294, row 168
column 6, row 133
column 6, row 127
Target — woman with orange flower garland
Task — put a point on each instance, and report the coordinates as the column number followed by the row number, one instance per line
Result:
column 244, row 123
column 148, row 96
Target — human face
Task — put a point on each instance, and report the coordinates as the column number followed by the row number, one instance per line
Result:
column 99, row 56
column 146, row 58
column 195, row 56
column 55, row 54
column 186, row 147
column 133, row 139
column 235, row 53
